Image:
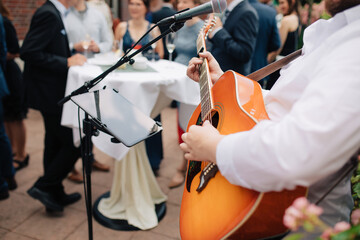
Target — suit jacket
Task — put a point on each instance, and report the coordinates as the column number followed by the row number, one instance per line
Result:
column 268, row 38
column 45, row 51
column 234, row 44
column 159, row 15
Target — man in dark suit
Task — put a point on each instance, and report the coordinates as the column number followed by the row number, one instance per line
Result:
column 268, row 38
column 47, row 57
column 234, row 37
column 166, row 10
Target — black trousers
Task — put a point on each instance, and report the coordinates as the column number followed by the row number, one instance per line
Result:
column 60, row 154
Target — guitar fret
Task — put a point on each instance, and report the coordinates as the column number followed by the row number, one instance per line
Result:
column 204, row 81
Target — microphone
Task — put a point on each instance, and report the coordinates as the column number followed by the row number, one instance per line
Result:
column 216, row 6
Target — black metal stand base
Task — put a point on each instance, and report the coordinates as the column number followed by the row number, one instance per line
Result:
column 122, row 225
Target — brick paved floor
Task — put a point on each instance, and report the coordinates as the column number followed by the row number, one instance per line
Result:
column 23, row 218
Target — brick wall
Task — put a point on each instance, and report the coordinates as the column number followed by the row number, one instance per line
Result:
column 22, row 11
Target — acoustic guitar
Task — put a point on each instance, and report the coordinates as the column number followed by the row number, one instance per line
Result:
column 212, row 207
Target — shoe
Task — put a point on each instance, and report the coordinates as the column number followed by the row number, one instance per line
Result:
column 64, row 200
column 4, row 194
column 100, row 166
column 68, row 199
column 45, row 198
column 178, row 179
column 76, row 176
column 12, row 185
column 23, row 163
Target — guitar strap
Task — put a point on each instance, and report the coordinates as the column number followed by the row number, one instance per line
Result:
column 267, row 70
column 349, row 167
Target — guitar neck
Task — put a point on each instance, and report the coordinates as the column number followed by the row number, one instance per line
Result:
column 205, row 82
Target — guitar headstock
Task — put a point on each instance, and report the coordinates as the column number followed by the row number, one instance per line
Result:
column 208, row 26
column 205, row 31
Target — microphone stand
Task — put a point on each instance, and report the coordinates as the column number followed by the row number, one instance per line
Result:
column 91, row 126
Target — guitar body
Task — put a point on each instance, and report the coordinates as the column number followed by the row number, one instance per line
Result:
column 222, row 210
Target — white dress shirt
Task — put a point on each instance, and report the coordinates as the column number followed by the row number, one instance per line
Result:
column 91, row 22
column 315, row 117
column 61, row 8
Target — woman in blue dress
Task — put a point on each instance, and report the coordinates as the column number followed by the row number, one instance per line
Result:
column 289, row 35
column 14, row 104
column 131, row 31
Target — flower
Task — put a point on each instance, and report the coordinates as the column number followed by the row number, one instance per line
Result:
column 341, row 226
column 306, row 215
column 355, row 217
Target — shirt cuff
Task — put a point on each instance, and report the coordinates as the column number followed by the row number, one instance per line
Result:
column 212, row 34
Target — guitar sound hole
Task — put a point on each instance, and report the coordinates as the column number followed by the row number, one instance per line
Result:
column 215, row 119
column 194, row 166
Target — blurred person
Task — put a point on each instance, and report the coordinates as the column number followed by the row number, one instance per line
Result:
column 268, row 38
column 185, row 45
column 311, row 104
column 15, row 109
column 81, row 20
column 47, row 58
column 131, row 31
column 166, row 10
column 87, row 30
column 7, row 171
column 289, row 35
column 234, row 37
column 104, row 8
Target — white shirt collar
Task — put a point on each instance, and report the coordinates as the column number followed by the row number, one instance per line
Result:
column 169, row 5
column 233, row 4
column 60, row 7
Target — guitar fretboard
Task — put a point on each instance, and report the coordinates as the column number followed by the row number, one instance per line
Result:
column 205, row 82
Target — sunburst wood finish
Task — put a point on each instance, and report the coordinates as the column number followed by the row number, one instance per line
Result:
column 218, row 209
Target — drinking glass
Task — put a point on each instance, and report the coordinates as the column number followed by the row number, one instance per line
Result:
column 153, row 46
column 86, row 43
column 170, row 44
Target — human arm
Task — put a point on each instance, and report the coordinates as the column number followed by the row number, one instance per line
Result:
column 311, row 141
column 288, row 24
column 12, row 42
column 315, row 139
column 120, row 31
column 106, row 37
column 274, row 38
column 76, row 60
column 159, row 44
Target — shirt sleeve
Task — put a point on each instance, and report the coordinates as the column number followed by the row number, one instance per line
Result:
column 106, row 36
column 316, row 138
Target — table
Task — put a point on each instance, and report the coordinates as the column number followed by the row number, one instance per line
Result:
column 134, row 190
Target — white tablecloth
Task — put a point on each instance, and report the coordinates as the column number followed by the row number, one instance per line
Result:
column 149, row 91
column 135, row 190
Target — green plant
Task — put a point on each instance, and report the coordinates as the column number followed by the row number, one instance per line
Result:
column 355, row 187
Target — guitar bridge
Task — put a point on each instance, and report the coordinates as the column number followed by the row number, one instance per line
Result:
column 207, row 173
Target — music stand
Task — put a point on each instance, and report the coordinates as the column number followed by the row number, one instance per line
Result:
column 107, row 111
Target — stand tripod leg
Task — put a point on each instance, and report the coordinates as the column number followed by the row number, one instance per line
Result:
column 88, row 130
